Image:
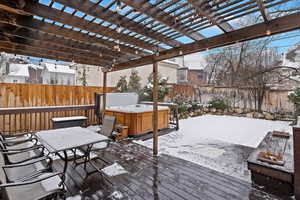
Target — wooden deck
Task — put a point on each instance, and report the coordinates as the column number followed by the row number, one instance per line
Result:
column 160, row 178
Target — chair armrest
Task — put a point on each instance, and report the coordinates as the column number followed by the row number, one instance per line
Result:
column 32, row 181
column 30, row 162
column 15, row 135
column 21, row 150
column 12, row 142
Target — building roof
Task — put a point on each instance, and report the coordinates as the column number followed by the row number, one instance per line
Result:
column 20, row 70
column 55, row 68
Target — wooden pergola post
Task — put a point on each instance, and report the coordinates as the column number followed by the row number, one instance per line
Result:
column 296, row 137
column 104, row 93
column 155, row 108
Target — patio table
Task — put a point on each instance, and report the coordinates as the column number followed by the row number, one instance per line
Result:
column 64, row 139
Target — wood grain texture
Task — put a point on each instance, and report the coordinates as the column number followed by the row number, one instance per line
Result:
column 45, row 102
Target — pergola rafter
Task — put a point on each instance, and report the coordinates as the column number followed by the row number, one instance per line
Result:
column 204, row 9
column 74, row 21
column 161, row 16
column 115, row 18
column 263, row 11
column 71, row 45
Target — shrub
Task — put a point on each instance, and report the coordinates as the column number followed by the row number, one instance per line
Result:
column 218, row 104
column 294, row 97
column 182, row 108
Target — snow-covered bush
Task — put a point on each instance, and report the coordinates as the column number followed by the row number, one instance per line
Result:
column 163, row 89
column 294, row 97
column 218, row 104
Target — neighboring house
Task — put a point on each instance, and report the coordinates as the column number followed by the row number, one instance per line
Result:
column 192, row 72
column 192, row 77
column 35, row 73
column 58, row 74
column 94, row 75
column 16, row 73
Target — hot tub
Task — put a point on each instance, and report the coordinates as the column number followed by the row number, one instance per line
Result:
column 138, row 117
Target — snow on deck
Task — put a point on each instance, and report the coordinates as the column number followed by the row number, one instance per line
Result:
column 222, row 143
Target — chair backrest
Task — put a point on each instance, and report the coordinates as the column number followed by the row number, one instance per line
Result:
column 108, row 125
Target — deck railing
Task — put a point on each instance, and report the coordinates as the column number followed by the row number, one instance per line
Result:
column 39, row 118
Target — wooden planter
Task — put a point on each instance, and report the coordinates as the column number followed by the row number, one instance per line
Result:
column 139, row 122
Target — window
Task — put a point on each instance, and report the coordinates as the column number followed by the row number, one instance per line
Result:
column 200, row 76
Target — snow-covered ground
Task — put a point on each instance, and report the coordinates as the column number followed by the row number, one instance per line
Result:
column 222, row 143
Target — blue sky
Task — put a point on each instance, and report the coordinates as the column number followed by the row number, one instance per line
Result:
column 283, row 42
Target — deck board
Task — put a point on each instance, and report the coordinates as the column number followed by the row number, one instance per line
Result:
column 163, row 177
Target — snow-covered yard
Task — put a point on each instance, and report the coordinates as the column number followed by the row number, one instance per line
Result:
column 222, row 143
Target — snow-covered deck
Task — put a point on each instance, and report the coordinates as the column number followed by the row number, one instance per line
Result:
column 143, row 177
column 222, row 143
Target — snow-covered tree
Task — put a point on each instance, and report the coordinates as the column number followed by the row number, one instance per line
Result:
column 163, row 89
column 122, row 84
column 134, row 84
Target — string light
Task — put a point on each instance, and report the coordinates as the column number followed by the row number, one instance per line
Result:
column 100, row 55
column 119, row 29
column 118, row 8
column 136, row 52
column 268, row 32
column 180, row 52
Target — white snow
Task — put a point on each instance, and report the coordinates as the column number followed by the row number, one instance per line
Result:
column 114, row 170
column 52, row 67
column 77, row 197
column 61, row 119
column 116, row 195
column 18, row 70
column 234, row 130
column 211, row 140
column 138, row 108
column 50, row 183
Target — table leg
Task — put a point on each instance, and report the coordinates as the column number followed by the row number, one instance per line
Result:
column 66, row 162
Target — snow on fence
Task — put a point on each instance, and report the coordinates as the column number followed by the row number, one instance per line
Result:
column 275, row 101
column 31, row 106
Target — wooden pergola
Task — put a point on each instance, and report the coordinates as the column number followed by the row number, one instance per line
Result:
column 122, row 34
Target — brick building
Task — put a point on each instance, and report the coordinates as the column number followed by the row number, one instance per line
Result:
column 192, row 77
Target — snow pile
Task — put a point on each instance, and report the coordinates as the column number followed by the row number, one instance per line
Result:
column 114, row 170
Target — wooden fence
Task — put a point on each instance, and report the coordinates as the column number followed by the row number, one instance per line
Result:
column 31, row 106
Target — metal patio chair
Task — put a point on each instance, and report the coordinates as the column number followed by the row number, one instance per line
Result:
column 17, row 140
column 20, row 155
column 48, row 186
column 27, row 170
column 107, row 130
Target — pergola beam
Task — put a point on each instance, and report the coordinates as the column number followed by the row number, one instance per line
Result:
column 161, row 16
column 204, row 9
column 275, row 26
column 34, row 53
column 105, row 14
column 42, row 45
column 263, row 11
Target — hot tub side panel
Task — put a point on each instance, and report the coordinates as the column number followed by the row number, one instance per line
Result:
column 140, row 123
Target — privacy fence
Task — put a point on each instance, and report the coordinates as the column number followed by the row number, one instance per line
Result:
column 31, row 106
column 275, row 101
